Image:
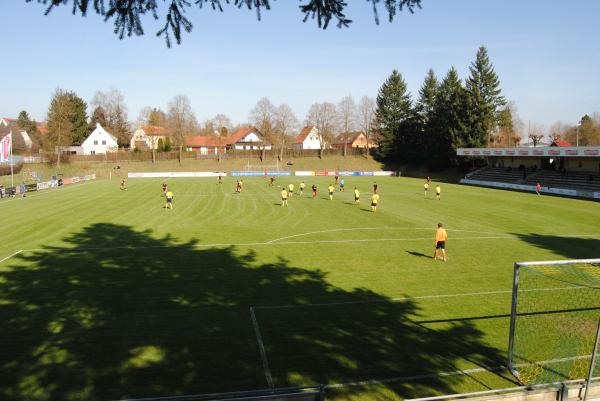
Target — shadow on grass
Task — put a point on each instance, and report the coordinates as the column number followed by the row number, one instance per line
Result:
column 568, row 247
column 414, row 253
column 90, row 321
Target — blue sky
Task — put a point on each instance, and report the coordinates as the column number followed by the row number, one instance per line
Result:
column 546, row 53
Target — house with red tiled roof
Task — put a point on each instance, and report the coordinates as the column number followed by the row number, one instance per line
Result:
column 561, row 143
column 353, row 140
column 308, row 138
column 249, row 138
column 147, row 137
column 205, row 144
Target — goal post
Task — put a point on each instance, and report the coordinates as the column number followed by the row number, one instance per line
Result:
column 263, row 167
column 554, row 320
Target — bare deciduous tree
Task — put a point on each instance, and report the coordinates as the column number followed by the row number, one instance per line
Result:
column 154, row 117
column 535, row 133
column 285, row 122
column 324, row 117
column 181, row 121
column 222, row 123
column 262, row 116
column 366, row 112
column 115, row 111
column 347, row 115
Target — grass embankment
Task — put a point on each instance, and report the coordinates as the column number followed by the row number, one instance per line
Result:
column 109, row 169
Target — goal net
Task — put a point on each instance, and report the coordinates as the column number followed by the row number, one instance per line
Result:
column 554, row 318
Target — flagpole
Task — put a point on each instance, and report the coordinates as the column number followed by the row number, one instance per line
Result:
column 12, row 181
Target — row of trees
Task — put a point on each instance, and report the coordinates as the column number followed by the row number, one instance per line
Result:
column 68, row 123
column 447, row 115
column 585, row 133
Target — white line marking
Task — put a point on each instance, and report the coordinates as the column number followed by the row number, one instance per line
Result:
column 464, row 294
column 261, row 347
column 199, row 246
column 445, row 374
column 376, row 228
column 270, row 243
column 11, row 255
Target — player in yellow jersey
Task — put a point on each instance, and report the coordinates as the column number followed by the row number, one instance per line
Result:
column 356, row 196
column 374, row 202
column 331, row 188
column 169, row 197
column 291, row 189
column 426, row 187
column 440, row 241
column 438, row 191
column 302, row 186
column 284, row 197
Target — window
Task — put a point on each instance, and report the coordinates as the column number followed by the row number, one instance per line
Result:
column 103, row 142
column 92, row 152
column 95, row 142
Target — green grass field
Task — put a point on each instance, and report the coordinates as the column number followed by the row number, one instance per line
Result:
column 109, row 296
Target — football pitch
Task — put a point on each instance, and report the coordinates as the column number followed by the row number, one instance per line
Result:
column 106, row 295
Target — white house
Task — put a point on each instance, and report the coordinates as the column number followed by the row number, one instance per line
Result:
column 309, row 138
column 21, row 139
column 248, row 138
column 147, row 137
column 99, row 142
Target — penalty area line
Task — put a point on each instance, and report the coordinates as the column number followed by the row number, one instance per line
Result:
column 391, row 300
column 261, row 347
column 11, row 255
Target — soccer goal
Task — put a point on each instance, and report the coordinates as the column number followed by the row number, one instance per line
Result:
column 265, row 168
column 554, row 320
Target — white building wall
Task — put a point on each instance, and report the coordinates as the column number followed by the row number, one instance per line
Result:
column 99, row 142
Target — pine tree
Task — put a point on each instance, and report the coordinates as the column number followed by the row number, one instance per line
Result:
column 484, row 91
column 98, row 116
column 393, row 118
column 78, row 117
column 120, row 128
column 450, row 123
column 425, row 109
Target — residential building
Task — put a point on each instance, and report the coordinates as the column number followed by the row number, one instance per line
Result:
column 353, row 140
column 308, row 138
column 147, row 137
column 206, row 145
column 249, row 138
column 99, row 142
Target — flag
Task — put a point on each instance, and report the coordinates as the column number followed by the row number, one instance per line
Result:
column 6, row 148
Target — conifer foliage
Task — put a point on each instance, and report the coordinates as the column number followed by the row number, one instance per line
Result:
column 393, row 117
column 483, row 87
column 127, row 15
column 446, row 116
